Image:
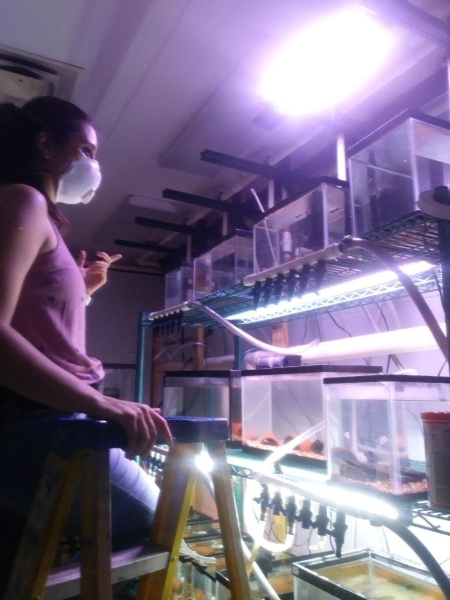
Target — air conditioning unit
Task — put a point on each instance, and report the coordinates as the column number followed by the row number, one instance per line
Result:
column 24, row 76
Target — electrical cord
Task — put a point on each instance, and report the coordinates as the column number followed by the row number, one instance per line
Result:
column 344, row 330
column 306, row 329
column 179, row 349
column 422, row 552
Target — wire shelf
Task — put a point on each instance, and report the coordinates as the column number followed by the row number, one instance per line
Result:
column 411, row 238
column 416, row 513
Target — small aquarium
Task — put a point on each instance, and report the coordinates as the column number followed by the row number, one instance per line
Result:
column 280, row 404
column 299, row 227
column 119, row 381
column 179, row 285
column 199, row 525
column 362, row 575
column 277, row 571
column 182, row 580
column 225, row 265
column 215, row 394
column 393, row 166
column 375, row 437
column 203, row 581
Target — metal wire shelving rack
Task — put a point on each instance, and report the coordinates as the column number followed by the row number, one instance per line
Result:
column 415, row 237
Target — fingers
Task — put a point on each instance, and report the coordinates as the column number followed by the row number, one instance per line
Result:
column 81, row 259
column 143, row 425
column 109, row 259
column 142, row 439
column 162, row 426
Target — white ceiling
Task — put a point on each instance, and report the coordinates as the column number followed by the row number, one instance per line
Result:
column 165, row 79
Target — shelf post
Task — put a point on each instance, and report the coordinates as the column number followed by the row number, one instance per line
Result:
column 140, row 355
column 442, row 195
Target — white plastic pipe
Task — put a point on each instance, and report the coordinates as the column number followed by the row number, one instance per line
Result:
column 328, row 253
column 413, row 339
column 341, row 157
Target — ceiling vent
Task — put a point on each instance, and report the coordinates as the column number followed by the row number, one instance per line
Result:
column 25, row 76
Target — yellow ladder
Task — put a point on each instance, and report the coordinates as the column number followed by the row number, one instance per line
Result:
column 155, row 562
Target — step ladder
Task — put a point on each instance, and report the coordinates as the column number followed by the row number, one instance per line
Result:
column 154, row 563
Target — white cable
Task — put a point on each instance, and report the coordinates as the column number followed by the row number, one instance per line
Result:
column 284, row 449
column 293, row 351
column 200, row 558
column 259, row 575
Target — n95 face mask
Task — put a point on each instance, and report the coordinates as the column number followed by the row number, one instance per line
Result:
column 80, row 182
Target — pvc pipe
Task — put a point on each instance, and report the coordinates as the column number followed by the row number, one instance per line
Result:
column 328, row 253
column 271, row 193
column 413, row 339
column 341, row 157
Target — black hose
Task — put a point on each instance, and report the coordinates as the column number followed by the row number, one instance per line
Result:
column 408, row 284
column 422, row 552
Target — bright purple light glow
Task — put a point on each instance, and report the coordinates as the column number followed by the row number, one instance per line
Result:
column 327, row 63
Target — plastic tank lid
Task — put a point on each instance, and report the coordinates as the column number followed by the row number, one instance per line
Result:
column 436, row 416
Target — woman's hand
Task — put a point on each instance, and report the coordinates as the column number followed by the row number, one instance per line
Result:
column 142, row 424
column 95, row 275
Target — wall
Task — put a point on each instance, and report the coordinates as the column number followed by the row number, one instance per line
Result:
column 112, row 316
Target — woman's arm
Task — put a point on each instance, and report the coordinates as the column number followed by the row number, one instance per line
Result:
column 25, row 232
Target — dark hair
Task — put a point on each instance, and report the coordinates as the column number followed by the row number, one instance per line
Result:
column 18, row 130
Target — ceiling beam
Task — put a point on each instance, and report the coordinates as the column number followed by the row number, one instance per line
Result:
column 147, row 246
column 185, row 229
column 413, row 18
column 220, row 205
column 240, row 164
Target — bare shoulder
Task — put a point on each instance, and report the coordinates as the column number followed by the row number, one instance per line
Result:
column 21, row 201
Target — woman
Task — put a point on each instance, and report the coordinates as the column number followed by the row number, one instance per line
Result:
column 47, row 152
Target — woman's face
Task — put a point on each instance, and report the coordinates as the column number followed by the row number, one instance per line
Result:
column 84, row 141
column 56, row 157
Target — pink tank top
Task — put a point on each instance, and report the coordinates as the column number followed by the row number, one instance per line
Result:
column 51, row 312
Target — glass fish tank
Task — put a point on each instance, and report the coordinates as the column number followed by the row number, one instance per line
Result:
column 199, row 525
column 375, row 436
column 281, row 403
column 179, row 285
column 119, row 381
column 204, row 581
column 182, row 580
column 215, row 394
column 394, row 165
column 296, row 228
column 204, row 574
column 278, row 572
column 225, row 265
column 362, row 575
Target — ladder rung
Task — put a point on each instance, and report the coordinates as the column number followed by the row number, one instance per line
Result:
column 127, row 564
